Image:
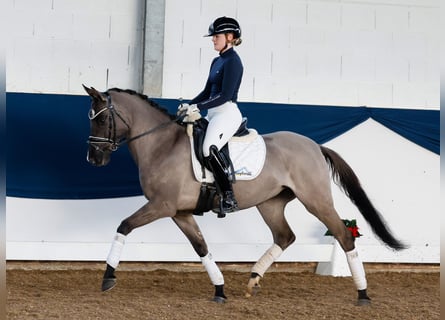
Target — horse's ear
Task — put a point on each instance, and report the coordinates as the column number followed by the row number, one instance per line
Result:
column 93, row 93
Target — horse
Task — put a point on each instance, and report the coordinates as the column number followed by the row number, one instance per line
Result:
column 295, row 167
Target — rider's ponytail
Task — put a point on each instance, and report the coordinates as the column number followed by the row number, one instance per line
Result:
column 237, row 41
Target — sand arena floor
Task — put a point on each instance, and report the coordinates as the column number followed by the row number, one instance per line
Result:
column 183, row 291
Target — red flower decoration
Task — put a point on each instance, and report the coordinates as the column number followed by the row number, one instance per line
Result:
column 351, row 225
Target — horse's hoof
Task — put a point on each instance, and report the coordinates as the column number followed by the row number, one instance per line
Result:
column 108, row 284
column 253, row 291
column 253, row 287
column 220, row 300
column 364, row 302
column 363, row 299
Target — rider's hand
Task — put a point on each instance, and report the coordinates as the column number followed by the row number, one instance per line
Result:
column 192, row 114
column 182, row 109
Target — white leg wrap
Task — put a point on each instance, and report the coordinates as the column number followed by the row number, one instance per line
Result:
column 212, row 269
column 357, row 269
column 116, row 250
column 267, row 259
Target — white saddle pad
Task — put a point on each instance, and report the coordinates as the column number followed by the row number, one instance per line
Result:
column 247, row 153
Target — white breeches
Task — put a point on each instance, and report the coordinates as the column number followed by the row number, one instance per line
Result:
column 224, row 121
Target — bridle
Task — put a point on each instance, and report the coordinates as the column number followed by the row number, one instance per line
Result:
column 95, row 141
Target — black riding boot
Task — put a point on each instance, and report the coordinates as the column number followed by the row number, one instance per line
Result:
column 221, row 172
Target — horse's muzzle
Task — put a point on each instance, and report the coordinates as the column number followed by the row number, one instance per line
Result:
column 97, row 157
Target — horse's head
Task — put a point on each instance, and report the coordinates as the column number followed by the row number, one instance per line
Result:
column 107, row 128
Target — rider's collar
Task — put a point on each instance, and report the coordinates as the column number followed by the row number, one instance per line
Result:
column 222, row 52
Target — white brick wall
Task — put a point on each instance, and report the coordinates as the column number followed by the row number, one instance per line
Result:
column 376, row 53
column 358, row 17
column 381, row 53
column 56, row 45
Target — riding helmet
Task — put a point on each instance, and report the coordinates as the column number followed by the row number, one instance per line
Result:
column 224, row 25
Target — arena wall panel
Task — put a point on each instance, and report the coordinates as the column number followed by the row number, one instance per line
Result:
column 402, row 180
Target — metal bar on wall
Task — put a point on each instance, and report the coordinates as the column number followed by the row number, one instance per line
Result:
column 154, row 47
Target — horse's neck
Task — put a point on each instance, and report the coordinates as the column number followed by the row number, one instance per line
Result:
column 162, row 133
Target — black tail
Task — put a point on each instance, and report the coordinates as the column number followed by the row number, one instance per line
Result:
column 346, row 179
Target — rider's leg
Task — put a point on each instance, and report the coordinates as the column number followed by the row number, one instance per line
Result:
column 224, row 121
column 221, row 173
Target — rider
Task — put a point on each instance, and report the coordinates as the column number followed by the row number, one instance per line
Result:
column 219, row 97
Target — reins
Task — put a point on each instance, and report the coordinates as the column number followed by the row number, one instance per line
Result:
column 162, row 125
column 112, row 127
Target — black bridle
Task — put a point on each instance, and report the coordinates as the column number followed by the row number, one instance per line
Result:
column 111, row 139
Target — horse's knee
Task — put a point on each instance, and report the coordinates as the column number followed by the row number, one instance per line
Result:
column 199, row 244
column 347, row 241
column 290, row 240
column 285, row 240
column 124, row 228
column 201, row 249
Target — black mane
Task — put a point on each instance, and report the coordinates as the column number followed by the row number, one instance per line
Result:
column 144, row 97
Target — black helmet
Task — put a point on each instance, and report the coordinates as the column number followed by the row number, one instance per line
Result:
column 224, row 25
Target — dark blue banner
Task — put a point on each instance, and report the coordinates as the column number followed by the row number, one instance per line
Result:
column 47, row 133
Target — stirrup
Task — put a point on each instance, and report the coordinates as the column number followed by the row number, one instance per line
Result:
column 228, row 204
column 229, row 199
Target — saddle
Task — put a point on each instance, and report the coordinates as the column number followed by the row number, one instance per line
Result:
column 208, row 190
column 199, row 131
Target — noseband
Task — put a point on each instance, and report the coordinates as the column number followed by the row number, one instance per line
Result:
column 111, row 139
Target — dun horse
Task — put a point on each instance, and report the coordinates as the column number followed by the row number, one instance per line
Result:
column 295, row 167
